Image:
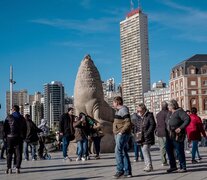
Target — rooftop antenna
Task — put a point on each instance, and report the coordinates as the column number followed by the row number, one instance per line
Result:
column 132, row 5
column 139, row 4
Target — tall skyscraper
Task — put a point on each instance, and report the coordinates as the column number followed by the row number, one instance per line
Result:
column 135, row 58
column 53, row 103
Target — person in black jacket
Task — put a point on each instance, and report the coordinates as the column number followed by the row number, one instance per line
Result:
column 148, row 137
column 15, row 131
column 31, row 138
column 67, row 131
column 161, row 131
column 177, row 122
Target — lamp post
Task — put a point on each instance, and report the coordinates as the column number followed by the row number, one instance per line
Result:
column 11, row 88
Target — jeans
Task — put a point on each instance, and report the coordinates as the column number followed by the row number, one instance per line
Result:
column 82, row 148
column 97, row 142
column 66, row 142
column 121, row 154
column 14, row 147
column 195, row 149
column 162, row 144
column 173, row 146
column 137, row 151
column 147, row 155
column 33, row 150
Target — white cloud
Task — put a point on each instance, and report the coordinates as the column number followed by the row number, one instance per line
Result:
column 190, row 22
column 88, row 26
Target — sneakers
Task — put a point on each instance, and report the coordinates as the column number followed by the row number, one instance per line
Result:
column 182, row 170
column 17, row 171
column 8, row 171
column 172, row 170
column 148, row 168
column 135, row 160
column 97, row 157
column 187, row 151
column 83, row 159
column 67, row 158
column 127, row 175
column 165, row 164
column 194, row 161
column 78, row 159
column 118, row 175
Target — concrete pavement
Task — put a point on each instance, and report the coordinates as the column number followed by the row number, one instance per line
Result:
column 104, row 168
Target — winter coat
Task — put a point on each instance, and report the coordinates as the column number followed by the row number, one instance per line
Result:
column 161, row 129
column 178, row 119
column 66, row 125
column 195, row 128
column 122, row 121
column 148, row 128
column 81, row 131
column 32, row 131
column 16, row 129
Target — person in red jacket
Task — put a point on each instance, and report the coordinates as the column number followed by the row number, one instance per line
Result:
column 194, row 131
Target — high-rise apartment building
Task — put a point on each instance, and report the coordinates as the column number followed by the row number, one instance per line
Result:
column 53, row 103
column 20, row 98
column 135, row 58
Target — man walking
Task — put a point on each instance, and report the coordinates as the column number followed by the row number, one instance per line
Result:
column 161, row 131
column 67, row 131
column 122, row 130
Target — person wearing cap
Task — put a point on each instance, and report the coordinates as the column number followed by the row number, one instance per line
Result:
column 67, row 131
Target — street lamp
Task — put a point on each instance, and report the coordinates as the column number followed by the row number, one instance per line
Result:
column 11, row 81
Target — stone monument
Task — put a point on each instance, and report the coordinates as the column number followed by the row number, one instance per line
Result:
column 89, row 99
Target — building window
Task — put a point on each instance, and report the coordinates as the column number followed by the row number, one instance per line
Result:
column 192, row 71
column 193, row 92
column 192, row 102
column 181, row 84
column 205, row 82
column 193, row 83
column 182, row 103
column 204, row 71
column 181, row 93
column 205, row 105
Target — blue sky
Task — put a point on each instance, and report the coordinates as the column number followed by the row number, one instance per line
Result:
column 45, row 40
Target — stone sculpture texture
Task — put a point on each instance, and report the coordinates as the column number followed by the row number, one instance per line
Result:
column 89, row 99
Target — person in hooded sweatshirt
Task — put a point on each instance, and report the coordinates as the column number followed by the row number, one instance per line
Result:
column 42, row 135
column 178, row 120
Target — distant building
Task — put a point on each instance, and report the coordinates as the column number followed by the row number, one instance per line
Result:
column 37, row 112
column 188, row 83
column 69, row 102
column 134, row 58
column 159, row 93
column 109, row 87
column 53, row 103
column 27, row 109
column 20, row 98
column 37, row 108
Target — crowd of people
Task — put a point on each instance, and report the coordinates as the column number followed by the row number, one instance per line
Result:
column 174, row 128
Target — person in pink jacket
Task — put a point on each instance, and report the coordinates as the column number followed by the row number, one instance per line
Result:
column 194, row 131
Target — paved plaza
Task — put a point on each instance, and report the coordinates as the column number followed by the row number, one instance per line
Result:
column 103, row 169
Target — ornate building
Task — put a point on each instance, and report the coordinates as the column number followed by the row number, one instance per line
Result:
column 188, row 83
